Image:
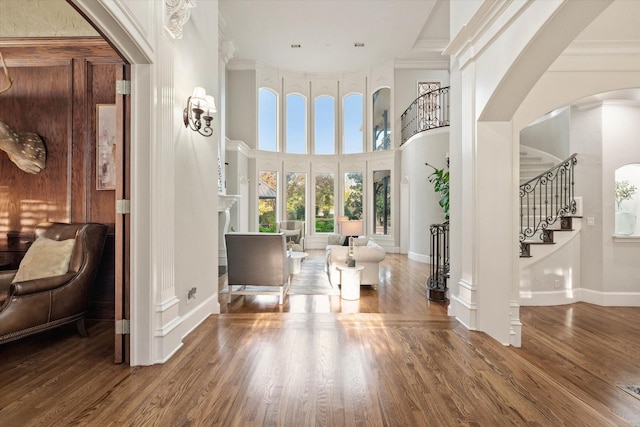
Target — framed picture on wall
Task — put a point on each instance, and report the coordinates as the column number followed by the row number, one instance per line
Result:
column 105, row 147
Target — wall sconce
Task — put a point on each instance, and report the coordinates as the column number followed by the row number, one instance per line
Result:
column 200, row 106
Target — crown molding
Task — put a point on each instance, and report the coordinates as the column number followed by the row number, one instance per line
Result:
column 422, row 64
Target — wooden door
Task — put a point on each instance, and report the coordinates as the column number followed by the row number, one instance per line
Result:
column 123, row 222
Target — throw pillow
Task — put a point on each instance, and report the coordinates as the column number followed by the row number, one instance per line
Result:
column 45, row 258
column 360, row 241
column 334, row 239
column 292, row 235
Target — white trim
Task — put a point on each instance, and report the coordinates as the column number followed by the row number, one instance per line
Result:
column 626, row 239
column 515, row 328
column 570, row 296
column 463, row 306
column 419, row 257
column 422, row 64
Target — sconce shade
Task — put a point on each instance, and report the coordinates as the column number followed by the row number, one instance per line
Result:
column 351, row 228
column 199, row 93
column 199, row 106
column 211, row 105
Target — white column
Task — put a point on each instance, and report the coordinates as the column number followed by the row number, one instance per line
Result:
column 166, row 303
column 462, row 294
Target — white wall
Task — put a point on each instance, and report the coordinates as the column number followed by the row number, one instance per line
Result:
column 196, row 175
column 550, row 134
column 242, row 98
column 586, row 141
column 426, row 147
column 620, row 147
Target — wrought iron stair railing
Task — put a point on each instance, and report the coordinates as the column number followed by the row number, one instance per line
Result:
column 545, row 199
column 439, row 262
column 430, row 110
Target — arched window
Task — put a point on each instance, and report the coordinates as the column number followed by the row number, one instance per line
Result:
column 324, row 125
column 352, row 123
column 267, row 120
column 296, row 124
column 382, row 119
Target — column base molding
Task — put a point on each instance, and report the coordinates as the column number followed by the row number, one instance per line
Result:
column 463, row 306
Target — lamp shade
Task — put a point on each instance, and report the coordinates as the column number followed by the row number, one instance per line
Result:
column 339, row 220
column 351, row 228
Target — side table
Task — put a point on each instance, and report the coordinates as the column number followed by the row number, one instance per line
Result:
column 350, row 281
column 296, row 260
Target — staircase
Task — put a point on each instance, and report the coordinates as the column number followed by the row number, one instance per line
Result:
column 534, row 162
column 549, row 210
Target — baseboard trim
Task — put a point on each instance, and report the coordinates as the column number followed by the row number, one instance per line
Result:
column 463, row 311
column 419, row 257
column 562, row 297
column 168, row 340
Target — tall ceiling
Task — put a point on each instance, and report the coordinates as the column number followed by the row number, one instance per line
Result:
column 397, row 31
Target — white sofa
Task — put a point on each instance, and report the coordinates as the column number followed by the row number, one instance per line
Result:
column 366, row 252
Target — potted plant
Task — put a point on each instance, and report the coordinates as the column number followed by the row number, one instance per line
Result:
column 624, row 191
column 439, row 248
column 625, row 222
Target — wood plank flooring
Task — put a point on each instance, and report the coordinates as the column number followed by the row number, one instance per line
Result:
column 390, row 359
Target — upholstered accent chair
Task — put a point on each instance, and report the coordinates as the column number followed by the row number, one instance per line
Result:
column 295, row 233
column 257, row 264
column 53, row 284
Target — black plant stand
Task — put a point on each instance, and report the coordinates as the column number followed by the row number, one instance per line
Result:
column 439, row 247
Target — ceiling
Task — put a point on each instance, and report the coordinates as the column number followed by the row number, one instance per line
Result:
column 397, row 31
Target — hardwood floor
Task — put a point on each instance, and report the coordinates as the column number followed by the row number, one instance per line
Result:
column 390, row 359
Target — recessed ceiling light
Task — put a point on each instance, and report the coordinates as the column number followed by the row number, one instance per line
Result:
column 358, row 44
column 296, row 45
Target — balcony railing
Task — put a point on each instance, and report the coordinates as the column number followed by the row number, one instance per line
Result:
column 429, row 111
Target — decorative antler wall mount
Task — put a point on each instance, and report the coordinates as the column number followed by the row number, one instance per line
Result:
column 25, row 149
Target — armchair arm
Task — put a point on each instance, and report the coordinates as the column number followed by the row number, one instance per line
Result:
column 6, row 277
column 40, row 285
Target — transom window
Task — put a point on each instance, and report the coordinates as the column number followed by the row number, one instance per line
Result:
column 296, row 124
column 267, row 120
column 352, row 123
column 382, row 119
column 325, row 125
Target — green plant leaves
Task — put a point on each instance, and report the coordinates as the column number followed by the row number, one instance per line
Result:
column 440, row 180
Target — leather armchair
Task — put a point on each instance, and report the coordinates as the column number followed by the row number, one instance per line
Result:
column 258, row 261
column 32, row 306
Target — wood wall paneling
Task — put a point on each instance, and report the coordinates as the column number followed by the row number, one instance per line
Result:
column 57, row 84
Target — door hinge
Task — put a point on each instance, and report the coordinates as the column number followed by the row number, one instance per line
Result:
column 122, row 327
column 123, row 87
column 123, row 206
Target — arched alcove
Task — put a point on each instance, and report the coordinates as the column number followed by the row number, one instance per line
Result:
column 627, row 196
